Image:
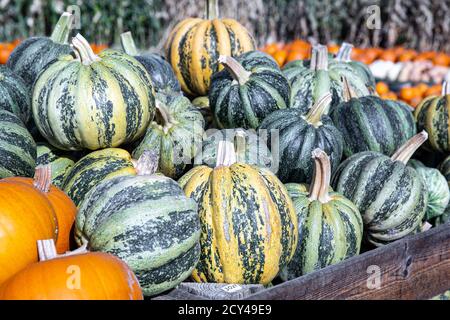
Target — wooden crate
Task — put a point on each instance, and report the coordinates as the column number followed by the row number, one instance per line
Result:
column 417, row 267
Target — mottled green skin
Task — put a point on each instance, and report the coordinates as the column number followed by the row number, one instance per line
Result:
column 246, row 105
column 372, row 124
column 17, row 147
column 14, row 94
column 298, row 138
column 202, row 104
column 391, row 197
column 255, row 152
column 60, row 164
column 146, row 221
column 437, row 187
column 328, row 232
column 444, row 167
column 32, row 55
column 357, row 73
column 177, row 145
column 444, row 296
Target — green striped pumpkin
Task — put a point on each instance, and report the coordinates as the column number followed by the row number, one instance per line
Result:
column 249, row 89
column 432, row 115
column 437, row 188
column 248, row 222
column 60, row 163
column 391, row 196
column 93, row 102
column 250, row 147
column 17, row 147
column 330, row 226
column 95, row 168
column 372, row 124
column 299, row 135
column 444, row 168
column 147, row 221
column 175, row 134
column 32, row 55
column 14, row 94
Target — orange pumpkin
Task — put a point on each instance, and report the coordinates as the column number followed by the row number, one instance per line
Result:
column 78, row 275
column 382, row 88
column 64, row 208
column 26, row 215
column 280, row 57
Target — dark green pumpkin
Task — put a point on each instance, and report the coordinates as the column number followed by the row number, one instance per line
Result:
column 59, row 162
column 159, row 69
column 148, row 222
column 299, row 135
column 17, row 147
column 32, row 55
column 176, row 134
column 390, row 195
column 372, row 124
column 249, row 89
column 14, row 94
column 329, row 225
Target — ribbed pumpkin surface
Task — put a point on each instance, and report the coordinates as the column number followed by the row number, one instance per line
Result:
column 60, row 164
column 14, row 94
column 17, row 147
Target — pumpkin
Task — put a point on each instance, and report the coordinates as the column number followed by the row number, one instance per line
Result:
column 175, row 134
column 32, row 55
column 195, row 44
column 437, row 189
column 17, row 147
column 26, row 216
column 299, row 135
column 432, row 115
column 372, row 124
column 248, row 222
column 158, row 68
column 390, row 195
column 251, row 87
column 60, row 163
column 145, row 220
column 93, row 101
column 63, row 206
column 444, row 168
column 78, row 275
column 250, row 148
column 94, row 168
column 330, row 226
column 202, row 105
column 14, row 94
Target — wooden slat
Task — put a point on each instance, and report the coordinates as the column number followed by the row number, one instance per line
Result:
column 417, row 267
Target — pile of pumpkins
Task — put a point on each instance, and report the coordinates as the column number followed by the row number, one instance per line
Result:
column 153, row 173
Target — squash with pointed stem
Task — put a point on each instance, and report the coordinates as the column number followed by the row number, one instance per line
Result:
column 299, row 135
column 390, row 195
column 93, row 101
column 147, row 221
column 248, row 222
column 76, row 275
column 330, row 226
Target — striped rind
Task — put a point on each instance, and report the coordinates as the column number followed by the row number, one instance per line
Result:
column 14, row 94
column 104, row 104
column 95, row 168
column 328, row 232
column 248, row 223
column 60, row 164
column 194, row 46
column 146, row 221
column 391, row 197
column 17, row 147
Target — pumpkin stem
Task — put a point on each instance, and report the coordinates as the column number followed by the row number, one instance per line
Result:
column 47, row 250
column 62, row 29
column 226, row 155
column 147, row 164
column 445, row 88
column 43, row 178
column 212, row 9
column 322, row 175
column 239, row 145
column 164, row 118
column 319, row 58
column 128, row 44
column 349, row 93
column 236, row 70
column 344, row 52
column 405, row 152
column 85, row 52
column 318, row 109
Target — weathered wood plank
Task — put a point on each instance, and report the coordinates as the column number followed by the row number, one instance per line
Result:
column 417, row 267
